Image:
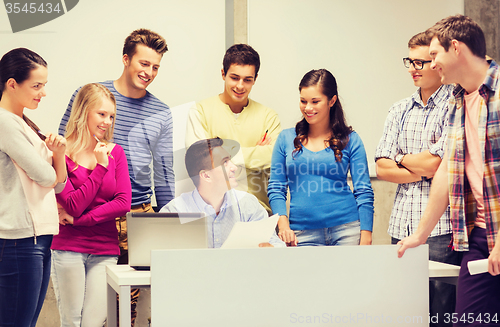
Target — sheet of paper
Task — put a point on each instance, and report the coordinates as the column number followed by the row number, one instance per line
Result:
column 478, row 266
column 251, row 234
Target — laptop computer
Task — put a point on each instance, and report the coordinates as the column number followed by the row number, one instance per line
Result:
column 160, row 231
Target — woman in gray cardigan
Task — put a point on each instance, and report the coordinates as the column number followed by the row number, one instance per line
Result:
column 32, row 169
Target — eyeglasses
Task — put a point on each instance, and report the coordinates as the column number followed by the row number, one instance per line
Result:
column 417, row 63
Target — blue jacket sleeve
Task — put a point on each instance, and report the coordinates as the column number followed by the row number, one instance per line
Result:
column 278, row 182
column 362, row 187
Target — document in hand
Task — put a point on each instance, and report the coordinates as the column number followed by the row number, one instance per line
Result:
column 478, row 266
column 251, row 234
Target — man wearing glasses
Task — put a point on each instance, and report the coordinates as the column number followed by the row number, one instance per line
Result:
column 409, row 154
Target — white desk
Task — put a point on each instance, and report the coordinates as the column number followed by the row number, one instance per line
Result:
column 122, row 277
column 443, row 272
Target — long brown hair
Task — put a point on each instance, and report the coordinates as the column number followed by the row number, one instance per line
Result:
column 339, row 128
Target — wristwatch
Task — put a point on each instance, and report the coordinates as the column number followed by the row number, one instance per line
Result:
column 399, row 158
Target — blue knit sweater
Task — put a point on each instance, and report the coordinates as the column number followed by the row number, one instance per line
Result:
column 320, row 195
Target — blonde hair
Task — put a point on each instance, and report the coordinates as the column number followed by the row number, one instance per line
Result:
column 89, row 98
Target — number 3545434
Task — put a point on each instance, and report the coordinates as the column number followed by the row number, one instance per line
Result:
column 32, row 8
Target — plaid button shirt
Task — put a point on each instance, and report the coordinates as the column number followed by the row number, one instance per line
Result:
column 462, row 203
column 412, row 127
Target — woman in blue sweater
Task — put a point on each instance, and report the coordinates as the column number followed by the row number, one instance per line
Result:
column 312, row 162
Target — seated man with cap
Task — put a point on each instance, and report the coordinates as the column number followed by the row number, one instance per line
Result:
column 208, row 163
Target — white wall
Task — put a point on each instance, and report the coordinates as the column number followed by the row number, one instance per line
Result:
column 85, row 45
column 362, row 42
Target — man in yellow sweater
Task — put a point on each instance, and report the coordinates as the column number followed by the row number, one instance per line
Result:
column 232, row 115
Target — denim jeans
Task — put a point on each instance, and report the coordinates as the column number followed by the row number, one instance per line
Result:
column 442, row 296
column 79, row 281
column 346, row 234
column 24, row 278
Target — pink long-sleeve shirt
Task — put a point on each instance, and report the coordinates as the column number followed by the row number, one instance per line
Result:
column 94, row 198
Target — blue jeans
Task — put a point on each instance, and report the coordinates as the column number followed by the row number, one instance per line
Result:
column 24, row 278
column 80, row 286
column 346, row 234
column 442, row 296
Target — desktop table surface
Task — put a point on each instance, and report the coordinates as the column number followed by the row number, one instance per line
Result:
column 126, row 275
column 439, row 269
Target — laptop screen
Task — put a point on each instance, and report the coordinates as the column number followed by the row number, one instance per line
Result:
column 161, row 231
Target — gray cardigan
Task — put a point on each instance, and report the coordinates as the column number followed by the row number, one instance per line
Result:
column 15, row 218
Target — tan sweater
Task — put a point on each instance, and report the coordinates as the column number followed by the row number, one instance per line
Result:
column 27, row 200
column 213, row 118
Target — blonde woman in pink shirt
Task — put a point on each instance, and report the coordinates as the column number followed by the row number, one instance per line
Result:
column 97, row 191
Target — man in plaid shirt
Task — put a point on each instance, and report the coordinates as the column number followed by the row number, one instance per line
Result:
column 468, row 177
column 409, row 154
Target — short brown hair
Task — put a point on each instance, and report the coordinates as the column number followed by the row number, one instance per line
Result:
column 241, row 54
column 419, row 40
column 146, row 37
column 198, row 157
column 460, row 28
